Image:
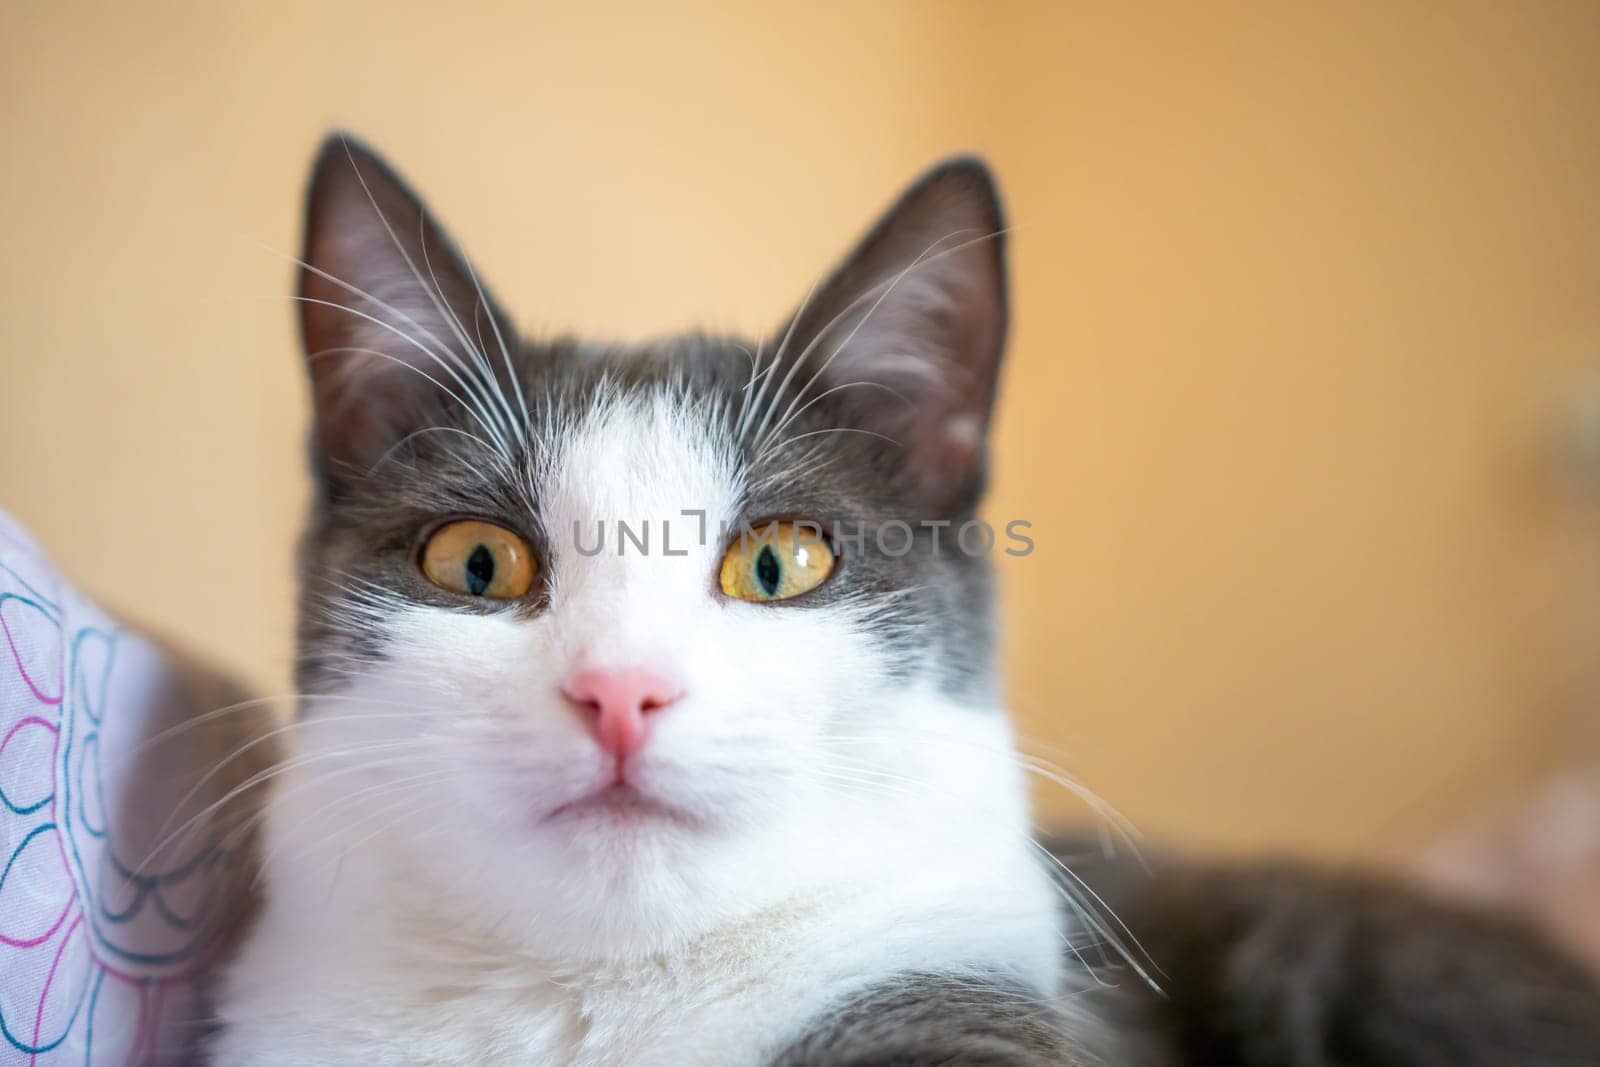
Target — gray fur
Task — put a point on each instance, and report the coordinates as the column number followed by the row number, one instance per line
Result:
column 1273, row 965
column 944, row 1019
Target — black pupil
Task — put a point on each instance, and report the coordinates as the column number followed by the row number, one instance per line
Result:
column 767, row 570
column 480, row 570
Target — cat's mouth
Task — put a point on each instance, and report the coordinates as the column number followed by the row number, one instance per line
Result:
column 618, row 801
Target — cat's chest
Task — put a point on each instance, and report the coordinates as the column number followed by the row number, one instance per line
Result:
column 660, row 1014
column 732, row 1000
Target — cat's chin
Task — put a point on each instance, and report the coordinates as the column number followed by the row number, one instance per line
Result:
column 611, row 873
column 622, row 807
column 629, row 885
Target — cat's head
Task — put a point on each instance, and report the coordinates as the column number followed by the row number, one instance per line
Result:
column 573, row 672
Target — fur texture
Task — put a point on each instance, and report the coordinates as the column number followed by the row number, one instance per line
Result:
column 1271, row 965
column 836, row 802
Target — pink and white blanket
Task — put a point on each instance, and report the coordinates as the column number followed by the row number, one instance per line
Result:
column 110, row 905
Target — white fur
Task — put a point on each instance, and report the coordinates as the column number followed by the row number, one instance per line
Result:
column 844, row 826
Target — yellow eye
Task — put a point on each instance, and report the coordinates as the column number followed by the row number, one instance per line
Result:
column 478, row 559
column 776, row 561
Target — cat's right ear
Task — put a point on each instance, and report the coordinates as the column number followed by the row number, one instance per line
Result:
column 395, row 324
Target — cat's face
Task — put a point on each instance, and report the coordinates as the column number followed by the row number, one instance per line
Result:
column 568, row 678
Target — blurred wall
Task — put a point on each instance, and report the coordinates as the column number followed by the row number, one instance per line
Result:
column 1300, row 298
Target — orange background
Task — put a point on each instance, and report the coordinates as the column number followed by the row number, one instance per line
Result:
column 1308, row 316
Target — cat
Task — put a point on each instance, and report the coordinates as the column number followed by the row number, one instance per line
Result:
column 630, row 732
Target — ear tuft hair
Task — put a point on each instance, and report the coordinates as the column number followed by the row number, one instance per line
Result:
column 920, row 309
column 393, row 320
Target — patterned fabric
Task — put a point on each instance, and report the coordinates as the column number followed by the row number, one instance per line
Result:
column 108, row 901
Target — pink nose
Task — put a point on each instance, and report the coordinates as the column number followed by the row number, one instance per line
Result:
column 614, row 703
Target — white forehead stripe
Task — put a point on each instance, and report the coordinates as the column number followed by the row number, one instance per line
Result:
column 637, row 456
column 623, row 477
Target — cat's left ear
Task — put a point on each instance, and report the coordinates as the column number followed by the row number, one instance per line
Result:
column 904, row 340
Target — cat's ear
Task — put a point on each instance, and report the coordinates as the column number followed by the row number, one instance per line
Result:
column 396, row 326
column 906, row 336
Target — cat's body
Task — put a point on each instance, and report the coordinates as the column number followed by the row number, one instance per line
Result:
column 672, row 798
